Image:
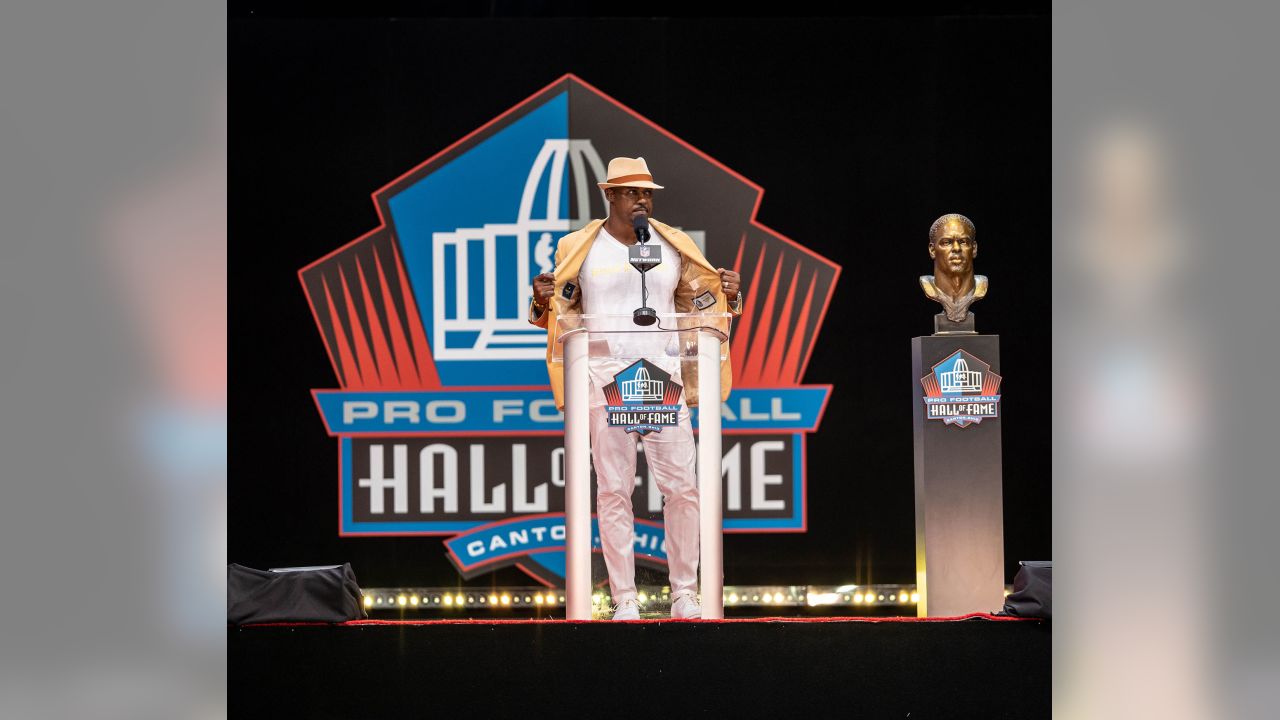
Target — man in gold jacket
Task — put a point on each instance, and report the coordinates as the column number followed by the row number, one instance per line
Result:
column 592, row 276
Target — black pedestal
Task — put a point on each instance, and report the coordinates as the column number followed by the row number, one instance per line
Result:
column 944, row 326
column 959, row 506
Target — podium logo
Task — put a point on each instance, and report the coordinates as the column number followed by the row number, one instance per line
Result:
column 444, row 417
column 962, row 390
column 643, row 399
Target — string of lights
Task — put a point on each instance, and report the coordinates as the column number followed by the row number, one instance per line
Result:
column 745, row 596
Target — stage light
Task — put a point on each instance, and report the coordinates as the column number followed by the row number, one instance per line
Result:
column 741, row 595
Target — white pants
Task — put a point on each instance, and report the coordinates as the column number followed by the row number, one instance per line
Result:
column 673, row 460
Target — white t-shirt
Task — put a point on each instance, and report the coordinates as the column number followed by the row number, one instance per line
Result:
column 611, row 286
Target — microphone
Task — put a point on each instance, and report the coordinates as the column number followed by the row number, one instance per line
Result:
column 644, row 257
column 641, row 225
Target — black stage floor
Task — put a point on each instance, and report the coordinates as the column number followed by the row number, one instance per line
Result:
column 970, row 667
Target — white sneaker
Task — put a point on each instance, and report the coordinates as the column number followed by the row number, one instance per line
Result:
column 685, row 607
column 627, row 610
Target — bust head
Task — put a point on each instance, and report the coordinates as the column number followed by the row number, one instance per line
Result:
column 953, row 244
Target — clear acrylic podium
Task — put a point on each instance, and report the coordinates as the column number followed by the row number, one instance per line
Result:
column 684, row 349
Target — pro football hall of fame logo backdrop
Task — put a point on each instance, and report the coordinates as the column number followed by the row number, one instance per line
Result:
column 443, row 415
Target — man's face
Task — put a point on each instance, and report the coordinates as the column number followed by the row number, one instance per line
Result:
column 954, row 249
column 630, row 202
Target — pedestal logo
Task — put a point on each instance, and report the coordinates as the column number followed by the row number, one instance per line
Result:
column 962, row 390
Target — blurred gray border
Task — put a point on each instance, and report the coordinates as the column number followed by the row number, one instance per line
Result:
column 113, row 303
column 112, row 158
column 1165, row 166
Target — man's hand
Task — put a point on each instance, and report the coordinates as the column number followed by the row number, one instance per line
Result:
column 544, row 285
column 731, row 282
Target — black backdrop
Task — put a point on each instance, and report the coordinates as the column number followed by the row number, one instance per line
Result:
column 861, row 131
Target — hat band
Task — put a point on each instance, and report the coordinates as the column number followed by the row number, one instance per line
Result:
column 631, row 178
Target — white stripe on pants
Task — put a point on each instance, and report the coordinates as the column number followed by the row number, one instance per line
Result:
column 673, row 460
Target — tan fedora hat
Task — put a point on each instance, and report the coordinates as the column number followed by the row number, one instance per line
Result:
column 629, row 172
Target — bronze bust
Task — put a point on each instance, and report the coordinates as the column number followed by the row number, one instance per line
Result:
column 953, row 244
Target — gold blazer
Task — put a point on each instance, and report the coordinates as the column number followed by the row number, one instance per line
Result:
column 696, row 277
